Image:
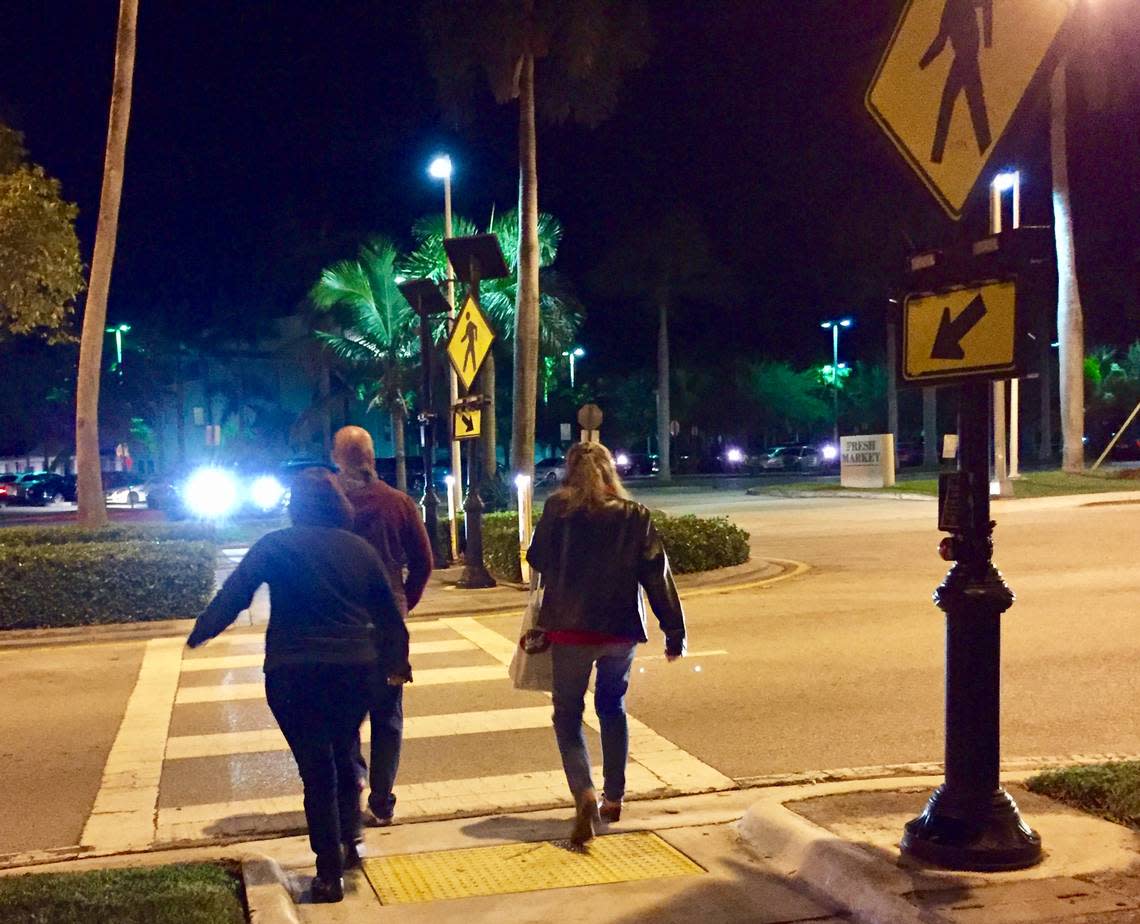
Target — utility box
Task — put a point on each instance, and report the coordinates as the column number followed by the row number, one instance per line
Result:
column 867, row 461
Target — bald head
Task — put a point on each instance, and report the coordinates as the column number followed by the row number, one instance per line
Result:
column 353, row 450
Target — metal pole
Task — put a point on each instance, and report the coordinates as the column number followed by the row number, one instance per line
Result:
column 1001, row 468
column 1119, row 434
column 475, row 573
column 835, row 381
column 453, row 382
column 571, row 370
column 427, row 441
column 970, row 822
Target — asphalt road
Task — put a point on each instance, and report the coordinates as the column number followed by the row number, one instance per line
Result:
column 840, row 668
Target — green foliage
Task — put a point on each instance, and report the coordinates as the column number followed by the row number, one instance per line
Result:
column 378, row 339
column 701, row 543
column 581, row 49
column 1110, row 790
column 113, row 532
column 178, row 894
column 785, row 399
column 40, row 269
column 693, row 543
column 92, row 583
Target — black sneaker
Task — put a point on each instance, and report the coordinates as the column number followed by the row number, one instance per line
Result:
column 372, row 820
column 326, row 891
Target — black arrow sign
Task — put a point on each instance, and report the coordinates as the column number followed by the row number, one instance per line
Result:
column 468, row 423
column 947, row 342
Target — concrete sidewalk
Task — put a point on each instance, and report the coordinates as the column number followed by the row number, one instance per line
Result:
column 777, row 855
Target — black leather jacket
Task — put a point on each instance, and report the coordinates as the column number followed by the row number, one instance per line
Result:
column 593, row 564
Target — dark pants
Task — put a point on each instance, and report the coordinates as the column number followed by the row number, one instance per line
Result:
column 319, row 708
column 386, row 711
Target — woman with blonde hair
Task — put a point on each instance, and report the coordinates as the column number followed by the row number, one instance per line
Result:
column 597, row 550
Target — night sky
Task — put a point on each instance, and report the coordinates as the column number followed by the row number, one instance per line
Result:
column 267, row 138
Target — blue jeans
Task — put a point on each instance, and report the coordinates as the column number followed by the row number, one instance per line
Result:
column 386, row 711
column 572, row 667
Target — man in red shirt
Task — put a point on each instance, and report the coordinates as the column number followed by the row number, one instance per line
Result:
column 390, row 521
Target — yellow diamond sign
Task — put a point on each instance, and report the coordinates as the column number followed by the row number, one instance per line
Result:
column 469, row 342
column 964, row 333
column 951, row 80
column 467, row 423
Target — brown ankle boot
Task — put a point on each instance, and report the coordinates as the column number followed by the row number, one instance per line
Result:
column 610, row 811
column 586, row 817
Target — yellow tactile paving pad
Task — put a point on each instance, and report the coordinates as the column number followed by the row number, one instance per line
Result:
column 425, row 877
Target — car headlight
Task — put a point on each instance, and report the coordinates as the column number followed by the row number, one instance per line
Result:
column 622, row 459
column 211, row 493
column 266, row 492
column 830, row 453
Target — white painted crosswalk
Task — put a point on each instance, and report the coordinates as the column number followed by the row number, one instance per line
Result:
column 189, row 762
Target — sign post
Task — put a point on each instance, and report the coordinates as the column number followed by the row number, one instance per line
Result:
column 969, row 335
column 590, row 420
column 474, row 258
column 426, row 299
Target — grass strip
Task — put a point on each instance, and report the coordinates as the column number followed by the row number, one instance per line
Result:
column 1110, row 790
column 178, row 894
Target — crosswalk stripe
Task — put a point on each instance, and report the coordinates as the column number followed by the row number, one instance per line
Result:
column 233, row 662
column 478, row 796
column 222, row 744
column 677, row 767
column 230, row 692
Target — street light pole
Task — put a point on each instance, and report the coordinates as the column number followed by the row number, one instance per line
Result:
column 118, row 330
column 574, row 354
column 835, row 325
column 441, row 169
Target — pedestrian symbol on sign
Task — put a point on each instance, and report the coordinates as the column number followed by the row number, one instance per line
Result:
column 959, row 27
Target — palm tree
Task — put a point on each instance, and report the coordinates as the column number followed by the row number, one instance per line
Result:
column 664, row 260
column 577, row 52
column 92, row 506
column 560, row 311
column 378, row 338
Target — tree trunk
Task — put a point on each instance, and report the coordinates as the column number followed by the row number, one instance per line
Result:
column 180, row 410
column 323, row 388
column 664, row 469
column 1070, row 319
column 399, row 414
column 1045, row 383
column 92, row 505
column 526, row 299
column 488, row 441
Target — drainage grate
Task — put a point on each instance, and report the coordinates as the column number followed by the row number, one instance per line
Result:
column 425, row 877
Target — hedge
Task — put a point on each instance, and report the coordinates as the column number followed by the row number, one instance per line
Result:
column 92, row 583
column 693, row 543
column 112, row 532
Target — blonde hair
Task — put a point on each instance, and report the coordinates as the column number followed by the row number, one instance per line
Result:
column 591, row 478
column 353, row 451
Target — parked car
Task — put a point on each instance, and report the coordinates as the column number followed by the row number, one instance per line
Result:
column 8, row 487
column 634, row 464
column 792, row 459
column 549, row 471
column 909, row 453
column 37, row 489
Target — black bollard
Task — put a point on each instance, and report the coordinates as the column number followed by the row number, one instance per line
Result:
column 970, row 822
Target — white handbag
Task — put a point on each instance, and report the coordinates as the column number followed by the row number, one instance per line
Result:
column 532, row 667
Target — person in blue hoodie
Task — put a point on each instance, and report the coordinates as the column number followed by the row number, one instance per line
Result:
column 335, row 632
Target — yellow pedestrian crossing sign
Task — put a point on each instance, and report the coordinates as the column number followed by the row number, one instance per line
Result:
column 964, row 333
column 951, row 80
column 469, row 342
column 467, row 423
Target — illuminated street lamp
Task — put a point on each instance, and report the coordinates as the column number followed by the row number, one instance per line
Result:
column 576, row 353
column 118, row 330
column 440, row 169
column 835, row 367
